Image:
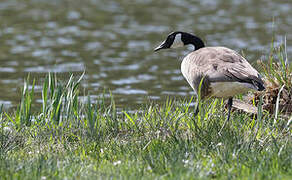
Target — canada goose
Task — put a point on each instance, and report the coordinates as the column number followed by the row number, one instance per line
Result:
column 223, row 72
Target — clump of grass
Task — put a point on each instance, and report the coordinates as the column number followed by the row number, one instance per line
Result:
column 278, row 82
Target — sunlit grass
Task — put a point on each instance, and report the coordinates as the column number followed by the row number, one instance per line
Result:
column 76, row 138
column 71, row 138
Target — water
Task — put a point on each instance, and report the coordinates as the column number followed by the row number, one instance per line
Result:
column 113, row 41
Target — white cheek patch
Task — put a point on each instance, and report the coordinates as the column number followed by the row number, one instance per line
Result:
column 177, row 41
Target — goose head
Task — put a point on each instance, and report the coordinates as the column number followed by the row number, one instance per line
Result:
column 180, row 39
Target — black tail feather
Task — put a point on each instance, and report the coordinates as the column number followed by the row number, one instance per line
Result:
column 259, row 85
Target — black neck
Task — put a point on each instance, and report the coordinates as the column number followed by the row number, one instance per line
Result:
column 193, row 40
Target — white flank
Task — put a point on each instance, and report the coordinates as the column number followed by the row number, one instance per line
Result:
column 177, row 41
column 229, row 89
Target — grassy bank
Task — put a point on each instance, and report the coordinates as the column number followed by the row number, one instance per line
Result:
column 71, row 138
column 68, row 137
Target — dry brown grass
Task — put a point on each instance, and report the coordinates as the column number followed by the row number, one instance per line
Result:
column 278, row 82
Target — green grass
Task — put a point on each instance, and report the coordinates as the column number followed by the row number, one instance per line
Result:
column 75, row 139
column 69, row 137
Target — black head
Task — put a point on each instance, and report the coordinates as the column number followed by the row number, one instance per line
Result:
column 179, row 39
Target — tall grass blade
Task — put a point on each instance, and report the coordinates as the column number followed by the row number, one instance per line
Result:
column 277, row 103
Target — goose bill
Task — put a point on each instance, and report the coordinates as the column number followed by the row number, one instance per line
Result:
column 161, row 46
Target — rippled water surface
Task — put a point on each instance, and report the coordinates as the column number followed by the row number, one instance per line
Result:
column 113, row 41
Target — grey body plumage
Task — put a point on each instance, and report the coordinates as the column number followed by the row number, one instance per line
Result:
column 220, row 66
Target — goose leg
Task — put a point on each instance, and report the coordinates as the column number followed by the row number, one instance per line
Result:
column 196, row 109
column 229, row 106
